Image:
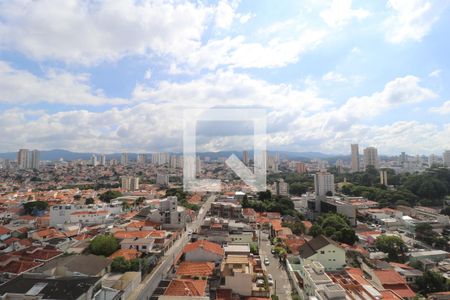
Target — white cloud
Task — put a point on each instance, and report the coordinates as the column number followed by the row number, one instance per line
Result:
column 412, row 19
column 148, row 74
column 341, row 13
column 225, row 14
column 444, row 109
column 22, row 87
column 334, row 76
column 88, row 32
column 244, row 18
column 237, row 52
column 299, row 120
column 435, row 73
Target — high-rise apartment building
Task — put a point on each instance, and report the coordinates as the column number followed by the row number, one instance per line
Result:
column 141, row 159
column 371, row 157
column 162, row 179
column 432, row 160
column 323, row 185
column 355, row 158
column 300, row 167
column 124, row 159
column 446, row 158
column 94, row 161
column 245, row 157
column 35, row 159
column 130, row 183
column 22, row 159
column 384, row 177
column 103, row 159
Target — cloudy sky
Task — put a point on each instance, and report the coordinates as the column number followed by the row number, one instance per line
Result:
column 110, row 76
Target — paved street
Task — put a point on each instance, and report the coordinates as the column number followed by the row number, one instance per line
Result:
column 151, row 282
column 280, row 277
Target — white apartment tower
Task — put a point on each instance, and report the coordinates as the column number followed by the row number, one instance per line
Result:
column 323, row 184
column 130, row 183
column 446, row 158
column 35, row 159
column 383, row 177
column 124, row 159
column 355, row 158
column 103, row 159
column 245, row 158
column 22, row 159
column 141, row 159
column 371, row 157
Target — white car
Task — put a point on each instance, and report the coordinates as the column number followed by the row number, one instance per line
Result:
column 259, row 282
column 269, row 276
column 266, row 261
column 270, row 281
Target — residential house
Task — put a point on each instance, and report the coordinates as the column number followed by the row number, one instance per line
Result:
column 144, row 245
column 324, row 250
column 26, row 287
column 203, row 250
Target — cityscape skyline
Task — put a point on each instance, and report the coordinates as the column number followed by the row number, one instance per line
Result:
column 319, row 68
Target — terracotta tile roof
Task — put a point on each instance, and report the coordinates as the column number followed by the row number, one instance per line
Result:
column 307, row 224
column 206, row 245
column 403, row 290
column 19, row 266
column 195, row 199
column 140, row 224
column 224, row 294
column 157, row 234
column 186, row 287
column 132, row 234
column 249, row 212
column 128, row 254
column 389, row 277
column 389, row 295
column 276, row 225
column 189, row 268
column 4, row 230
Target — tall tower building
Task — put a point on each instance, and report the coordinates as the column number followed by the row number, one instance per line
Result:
column 355, row 158
column 103, row 159
column 245, row 158
column 446, row 158
column 300, row 167
column 371, row 157
column 35, row 159
column 124, row 159
column 323, row 184
column 383, row 177
column 22, row 159
column 141, row 158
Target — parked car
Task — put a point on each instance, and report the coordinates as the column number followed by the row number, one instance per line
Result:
column 272, row 251
column 266, row 261
column 269, row 276
column 259, row 282
column 270, row 282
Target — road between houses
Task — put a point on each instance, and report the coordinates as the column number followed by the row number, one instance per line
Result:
column 282, row 287
column 147, row 287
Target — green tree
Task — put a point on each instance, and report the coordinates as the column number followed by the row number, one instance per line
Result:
column 89, row 200
column 424, row 232
column 394, row 246
column 120, row 265
column 315, row 230
column 34, row 207
column 298, row 188
column 104, row 245
column 109, row 195
column 432, row 282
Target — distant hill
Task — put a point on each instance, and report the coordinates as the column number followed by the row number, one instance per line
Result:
column 57, row 154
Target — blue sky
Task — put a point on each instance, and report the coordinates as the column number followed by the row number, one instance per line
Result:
column 110, row 76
